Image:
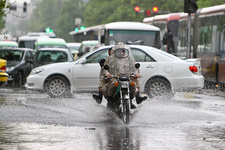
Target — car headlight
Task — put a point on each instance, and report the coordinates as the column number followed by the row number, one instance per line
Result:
column 8, row 69
column 36, row 71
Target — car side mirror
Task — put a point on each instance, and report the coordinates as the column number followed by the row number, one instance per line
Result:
column 83, row 61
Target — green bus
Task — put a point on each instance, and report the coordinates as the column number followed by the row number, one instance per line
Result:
column 50, row 43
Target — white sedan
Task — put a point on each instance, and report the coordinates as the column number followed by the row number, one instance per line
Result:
column 161, row 73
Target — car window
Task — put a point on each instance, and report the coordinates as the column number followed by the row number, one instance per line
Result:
column 28, row 56
column 138, row 55
column 52, row 56
column 141, row 56
column 27, row 44
column 11, row 55
column 95, row 57
column 168, row 55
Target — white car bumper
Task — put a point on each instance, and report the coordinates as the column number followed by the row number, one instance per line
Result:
column 35, row 82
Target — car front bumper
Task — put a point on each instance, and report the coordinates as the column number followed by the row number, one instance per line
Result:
column 35, row 82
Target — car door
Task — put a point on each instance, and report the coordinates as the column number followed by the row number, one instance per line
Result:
column 148, row 65
column 86, row 75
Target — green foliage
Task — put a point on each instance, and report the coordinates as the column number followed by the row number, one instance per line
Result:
column 208, row 3
column 104, row 11
column 59, row 15
column 45, row 15
column 3, row 7
column 65, row 21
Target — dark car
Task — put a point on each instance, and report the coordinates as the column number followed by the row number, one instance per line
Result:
column 46, row 56
column 19, row 64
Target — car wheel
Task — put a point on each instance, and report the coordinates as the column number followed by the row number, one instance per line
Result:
column 57, row 87
column 158, row 88
column 20, row 79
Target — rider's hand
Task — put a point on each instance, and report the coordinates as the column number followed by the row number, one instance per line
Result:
column 137, row 75
column 108, row 75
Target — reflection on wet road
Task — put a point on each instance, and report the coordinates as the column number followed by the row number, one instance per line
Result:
column 57, row 137
column 35, row 121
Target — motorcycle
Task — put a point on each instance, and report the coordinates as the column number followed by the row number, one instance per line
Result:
column 121, row 98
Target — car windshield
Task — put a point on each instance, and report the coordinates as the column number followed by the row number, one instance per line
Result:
column 52, row 56
column 11, row 55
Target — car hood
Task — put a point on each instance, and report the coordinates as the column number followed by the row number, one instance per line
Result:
column 56, row 65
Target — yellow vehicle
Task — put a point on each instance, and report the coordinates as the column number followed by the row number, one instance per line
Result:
column 3, row 74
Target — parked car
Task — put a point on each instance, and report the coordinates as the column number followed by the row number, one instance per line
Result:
column 9, row 44
column 50, row 43
column 3, row 74
column 162, row 73
column 19, row 64
column 88, row 46
column 45, row 56
column 28, row 41
column 74, row 48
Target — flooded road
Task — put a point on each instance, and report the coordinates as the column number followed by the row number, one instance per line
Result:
column 33, row 121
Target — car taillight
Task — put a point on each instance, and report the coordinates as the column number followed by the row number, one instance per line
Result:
column 193, row 69
column 3, row 68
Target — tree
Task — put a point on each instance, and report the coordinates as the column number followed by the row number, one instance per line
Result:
column 208, row 3
column 59, row 15
column 4, row 5
column 45, row 15
column 65, row 22
column 104, row 11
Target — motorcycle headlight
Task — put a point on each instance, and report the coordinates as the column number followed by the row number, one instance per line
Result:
column 36, row 71
column 124, row 84
column 8, row 69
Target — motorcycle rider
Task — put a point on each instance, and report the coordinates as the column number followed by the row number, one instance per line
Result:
column 120, row 61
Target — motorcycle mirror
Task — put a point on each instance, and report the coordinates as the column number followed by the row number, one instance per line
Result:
column 137, row 65
column 106, row 67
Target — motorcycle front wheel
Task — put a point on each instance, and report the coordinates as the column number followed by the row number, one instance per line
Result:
column 126, row 113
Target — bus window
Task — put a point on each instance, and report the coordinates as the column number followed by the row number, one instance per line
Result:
column 126, row 36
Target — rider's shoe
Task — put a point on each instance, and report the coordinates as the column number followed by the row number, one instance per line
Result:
column 140, row 99
column 132, row 106
column 98, row 97
column 110, row 105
